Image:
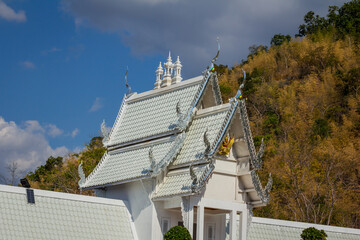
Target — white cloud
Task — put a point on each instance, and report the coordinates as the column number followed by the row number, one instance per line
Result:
column 97, row 105
column 54, row 131
column 25, row 145
column 75, row 132
column 51, row 50
column 78, row 149
column 189, row 28
column 28, row 64
column 9, row 14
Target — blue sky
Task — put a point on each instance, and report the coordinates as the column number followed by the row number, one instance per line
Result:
column 62, row 63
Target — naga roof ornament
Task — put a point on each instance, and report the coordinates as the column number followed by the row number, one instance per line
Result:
column 178, row 110
column 206, row 142
column 129, row 92
column 193, row 178
column 152, row 160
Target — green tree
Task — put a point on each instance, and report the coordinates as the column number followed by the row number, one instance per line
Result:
column 313, row 234
column 279, row 39
column 177, row 233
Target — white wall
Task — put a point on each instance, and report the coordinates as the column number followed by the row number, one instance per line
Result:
column 137, row 195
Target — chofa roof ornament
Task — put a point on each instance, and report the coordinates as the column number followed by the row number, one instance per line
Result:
column 212, row 65
column 129, row 92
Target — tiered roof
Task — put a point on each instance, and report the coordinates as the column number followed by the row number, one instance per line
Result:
column 177, row 129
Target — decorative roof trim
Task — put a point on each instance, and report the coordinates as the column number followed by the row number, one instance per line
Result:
column 172, row 196
column 98, row 166
column 255, row 158
column 227, row 122
column 117, row 182
column 133, row 145
column 166, row 160
column 183, row 123
column 143, row 140
column 264, row 194
column 117, row 120
column 171, row 155
column 204, row 178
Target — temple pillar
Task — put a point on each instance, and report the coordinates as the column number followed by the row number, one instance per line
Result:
column 200, row 223
column 233, row 221
column 187, row 211
column 243, row 225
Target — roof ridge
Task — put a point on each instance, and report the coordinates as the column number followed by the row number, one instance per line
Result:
column 160, row 91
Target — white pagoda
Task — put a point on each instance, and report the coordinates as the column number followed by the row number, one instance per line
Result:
column 178, row 155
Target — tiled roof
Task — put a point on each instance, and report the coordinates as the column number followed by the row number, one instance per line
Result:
column 154, row 112
column 177, row 182
column 210, row 119
column 272, row 229
column 127, row 163
column 61, row 216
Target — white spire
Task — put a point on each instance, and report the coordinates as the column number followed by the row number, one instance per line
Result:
column 177, row 71
column 168, row 72
column 159, row 75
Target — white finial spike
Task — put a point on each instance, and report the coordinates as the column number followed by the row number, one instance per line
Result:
column 168, row 72
column 177, row 71
column 169, row 58
column 159, row 76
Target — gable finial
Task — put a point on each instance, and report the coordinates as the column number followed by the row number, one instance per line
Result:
column 168, row 67
column 129, row 92
column 212, row 66
column 159, row 75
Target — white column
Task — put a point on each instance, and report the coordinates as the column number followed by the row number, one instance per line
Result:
column 200, row 223
column 243, row 225
column 233, row 220
column 191, row 221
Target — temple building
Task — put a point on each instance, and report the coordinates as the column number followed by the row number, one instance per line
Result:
column 176, row 155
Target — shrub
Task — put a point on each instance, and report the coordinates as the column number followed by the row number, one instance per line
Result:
column 313, row 234
column 177, row 233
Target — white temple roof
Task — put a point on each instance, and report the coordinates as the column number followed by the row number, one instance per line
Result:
column 210, row 119
column 61, row 216
column 128, row 163
column 177, row 183
column 153, row 112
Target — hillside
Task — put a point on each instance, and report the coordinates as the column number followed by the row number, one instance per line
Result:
column 303, row 98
